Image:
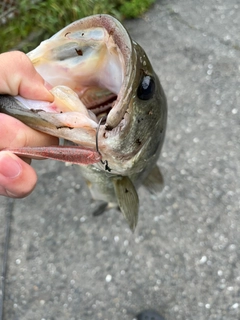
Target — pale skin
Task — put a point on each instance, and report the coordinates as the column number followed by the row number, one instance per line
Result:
column 18, row 77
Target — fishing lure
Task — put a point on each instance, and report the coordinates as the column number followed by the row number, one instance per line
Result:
column 71, row 154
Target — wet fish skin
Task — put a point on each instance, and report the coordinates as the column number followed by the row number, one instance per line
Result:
column 132, row 137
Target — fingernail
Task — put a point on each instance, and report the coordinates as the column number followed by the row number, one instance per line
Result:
column 9, row 167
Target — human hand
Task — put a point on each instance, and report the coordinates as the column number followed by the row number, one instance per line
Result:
column 18, row 76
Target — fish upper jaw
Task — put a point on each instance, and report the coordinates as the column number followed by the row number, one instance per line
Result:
column 92, row 57
column 79, row 59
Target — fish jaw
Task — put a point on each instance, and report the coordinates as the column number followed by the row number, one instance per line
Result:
column 71, row 126
column 83, row 54
column 66, row 108
column 79, row 63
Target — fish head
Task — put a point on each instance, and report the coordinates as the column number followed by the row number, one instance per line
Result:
column 113, row 78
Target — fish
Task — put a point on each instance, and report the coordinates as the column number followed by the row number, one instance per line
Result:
column 108, row 101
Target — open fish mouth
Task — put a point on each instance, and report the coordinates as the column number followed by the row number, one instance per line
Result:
column 86, row 67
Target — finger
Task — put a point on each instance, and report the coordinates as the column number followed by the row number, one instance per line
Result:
column 18, row 76
column 17, row 178
column 16, row 134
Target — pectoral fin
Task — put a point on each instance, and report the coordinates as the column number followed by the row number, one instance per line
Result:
column 154, row 181
column 127, row 199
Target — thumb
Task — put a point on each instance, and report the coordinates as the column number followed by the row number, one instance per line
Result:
column 21, row 78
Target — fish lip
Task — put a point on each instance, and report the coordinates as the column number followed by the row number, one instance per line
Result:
column 125, row 44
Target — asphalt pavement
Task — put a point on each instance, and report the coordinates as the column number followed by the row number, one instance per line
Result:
column 184, row 258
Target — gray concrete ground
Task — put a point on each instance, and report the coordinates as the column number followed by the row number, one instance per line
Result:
column 183, row 260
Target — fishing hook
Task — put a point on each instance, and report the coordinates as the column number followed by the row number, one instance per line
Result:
column 105, row 163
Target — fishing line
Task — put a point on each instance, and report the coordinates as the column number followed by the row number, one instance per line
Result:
column 105, row 163
column 5, row 254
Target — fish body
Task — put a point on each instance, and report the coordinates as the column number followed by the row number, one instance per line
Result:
column 97, row 71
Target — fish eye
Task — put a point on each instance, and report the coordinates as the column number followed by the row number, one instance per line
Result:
column 146, row 88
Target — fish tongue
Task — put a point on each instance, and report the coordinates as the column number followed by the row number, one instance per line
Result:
column 72, row 111
column 66, row 100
